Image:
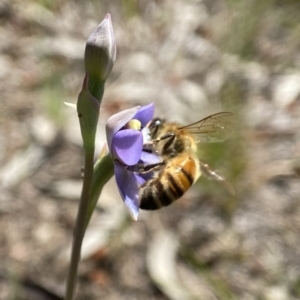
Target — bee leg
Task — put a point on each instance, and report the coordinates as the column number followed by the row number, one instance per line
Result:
column 170, row 136
column 151, row 168
column 142, row 168
column 209, row 173
column 170, row 141
column 213, row 175
column 149, row 146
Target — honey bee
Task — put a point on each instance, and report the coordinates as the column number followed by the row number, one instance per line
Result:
column 180, row 166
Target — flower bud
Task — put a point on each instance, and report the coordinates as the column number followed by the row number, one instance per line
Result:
column 100, row 51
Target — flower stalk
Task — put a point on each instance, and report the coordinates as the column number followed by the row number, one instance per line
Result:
column 80, row 225
column 100, row 55
column 103, row 171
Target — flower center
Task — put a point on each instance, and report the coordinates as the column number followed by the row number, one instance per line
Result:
column 133, row 124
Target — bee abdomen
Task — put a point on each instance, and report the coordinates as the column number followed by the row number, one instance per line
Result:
column 154, row 195
column 173, row 181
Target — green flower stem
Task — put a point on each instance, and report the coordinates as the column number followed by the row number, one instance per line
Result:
column 99, row 58
column 96, row 88
column 103, row 171
column 80, row 227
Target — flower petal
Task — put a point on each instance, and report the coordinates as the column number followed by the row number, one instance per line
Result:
column 127, row 146
column 145, row 114
column 128, row 185
column 150, row 158
column 117, row 121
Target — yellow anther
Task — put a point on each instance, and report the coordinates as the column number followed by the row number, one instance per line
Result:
column 134, row 124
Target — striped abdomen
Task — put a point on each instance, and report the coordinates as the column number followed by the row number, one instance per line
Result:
column 171, row 183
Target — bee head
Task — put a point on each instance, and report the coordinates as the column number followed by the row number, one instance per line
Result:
column 154, row 125
column 156, row 122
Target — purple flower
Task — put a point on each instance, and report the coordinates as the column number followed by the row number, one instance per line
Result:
column 126, row 134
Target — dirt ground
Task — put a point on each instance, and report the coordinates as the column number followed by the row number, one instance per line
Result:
column 191, row 58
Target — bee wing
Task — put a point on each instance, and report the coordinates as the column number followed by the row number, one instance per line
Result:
column 214, row 128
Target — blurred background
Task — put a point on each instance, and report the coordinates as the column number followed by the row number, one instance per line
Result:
column 191, row 58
